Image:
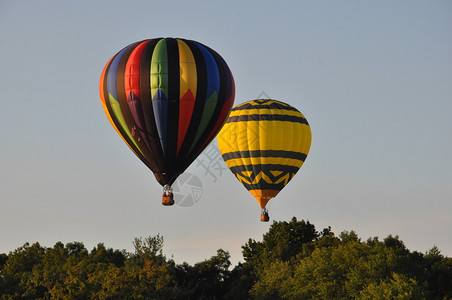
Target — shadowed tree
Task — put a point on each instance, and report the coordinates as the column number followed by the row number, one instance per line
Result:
column 292, row 261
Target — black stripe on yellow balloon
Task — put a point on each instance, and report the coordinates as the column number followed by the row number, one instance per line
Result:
column 264, row 153
column 267, row 117
column 265, row 168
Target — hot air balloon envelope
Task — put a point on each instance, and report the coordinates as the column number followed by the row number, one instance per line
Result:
column 167, row 98
column 264, row 143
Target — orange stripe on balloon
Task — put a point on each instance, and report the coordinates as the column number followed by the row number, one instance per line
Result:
column 101, row 84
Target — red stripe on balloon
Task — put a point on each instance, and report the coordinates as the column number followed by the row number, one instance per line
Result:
column 186, row 106
column 132, row 72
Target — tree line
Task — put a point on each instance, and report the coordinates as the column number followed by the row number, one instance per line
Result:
column 293, row 261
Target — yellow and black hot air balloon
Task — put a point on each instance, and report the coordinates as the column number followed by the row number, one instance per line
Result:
column 264, row 143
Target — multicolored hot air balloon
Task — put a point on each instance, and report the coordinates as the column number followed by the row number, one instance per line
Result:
column 167, row 98
column 264, row 143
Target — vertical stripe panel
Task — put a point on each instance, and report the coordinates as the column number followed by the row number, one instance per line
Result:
column 173, row 109
column 156, row 152
column 212, row 89
column 159, row 89
column 188, row 90
column 132, row 91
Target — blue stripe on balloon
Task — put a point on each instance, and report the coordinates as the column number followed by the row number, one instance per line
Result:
column 213, row 74
column 160, row 106
column 111, row 75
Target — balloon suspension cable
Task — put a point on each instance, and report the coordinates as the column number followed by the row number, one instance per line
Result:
column 167, row 197
column 167, row 190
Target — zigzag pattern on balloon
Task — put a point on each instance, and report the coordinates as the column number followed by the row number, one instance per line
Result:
column 274, row 180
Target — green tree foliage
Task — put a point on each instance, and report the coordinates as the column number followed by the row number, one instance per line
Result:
column 293, row 261
column 205, row 280
column 283, row 241
column 398, row 286
column 344, row 267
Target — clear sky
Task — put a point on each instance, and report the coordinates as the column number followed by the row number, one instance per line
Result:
column 374, row 79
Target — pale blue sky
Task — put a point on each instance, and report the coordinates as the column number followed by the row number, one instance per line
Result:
column 374, row 79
